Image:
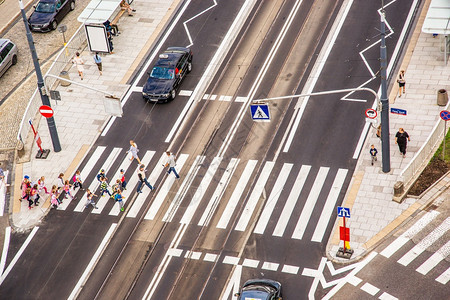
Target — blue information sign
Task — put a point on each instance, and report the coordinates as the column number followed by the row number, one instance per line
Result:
column 343, row 211
column 398, row 111
column 260, row 112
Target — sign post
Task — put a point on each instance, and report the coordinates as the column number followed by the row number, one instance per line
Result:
column 344, row 252
column 445, row 115
column 42, row 153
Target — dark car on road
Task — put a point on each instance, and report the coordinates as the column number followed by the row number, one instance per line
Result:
column 261, row 289
column 49, row 13
column 167, row 74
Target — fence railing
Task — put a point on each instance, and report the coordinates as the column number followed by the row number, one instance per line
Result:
column 76, row 43
column 420, row 160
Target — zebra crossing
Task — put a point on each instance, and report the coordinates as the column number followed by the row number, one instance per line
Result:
column 187, row 203
column 412, row 254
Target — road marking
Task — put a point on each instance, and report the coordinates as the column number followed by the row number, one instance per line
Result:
column 201, row 190
column 237, row 193
column 187, row 21
column 3, row 193
column 407, row 235
column 425, row 243
column 251, row 263
column 370, row 289
column 193, row 255
column 444, row 277
column 5, row 249
column 435, row 259
column 310, row 203
column 233, row 284
column 218, row 193
column 231, row 260
column 328, row 208
column 290, row 269
column 211, row 97
column 95, row 183
column 273, row 199
column 140, row 200
column 291, row 201
column 164, row 190
column 176, row 202
column 18, row 254
column 270, row 266
column 210, row 257
column 241, row 99
column 185, row 93
column 386, row 296
column 77, row 289
column 255, row 196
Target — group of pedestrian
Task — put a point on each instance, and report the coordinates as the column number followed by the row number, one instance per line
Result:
column 401, row 139
column 79, row 63
column 31, row 190
column 116, row 193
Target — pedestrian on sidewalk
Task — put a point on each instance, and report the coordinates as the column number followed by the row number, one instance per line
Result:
column 41, row 185
column 134, row 151
column 104, row 187
column 28, row 197
column 118, row 197
column 77, row 182
column 90, row 201
column 54, row 200
column 123, row 180
column 125, row 6
column 35, row 194
column 67, row 187
column 98, row 62
column 402, row 138
column 78, row 62
column 142, row 179
column 401, row 83
column 24, row 186
column 373, row 153
column 101, row 175
column 171, row 164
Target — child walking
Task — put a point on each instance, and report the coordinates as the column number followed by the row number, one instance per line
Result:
column 35, row 194
column 123, row 180
column 90, row 201
column 104, row 187
column 118, row 197
column 67, row 187
column 77, row 182
column 41, row 185
column 373, row 153
column 54, row 197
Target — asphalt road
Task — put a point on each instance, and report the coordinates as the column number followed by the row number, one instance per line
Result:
column 243, row 208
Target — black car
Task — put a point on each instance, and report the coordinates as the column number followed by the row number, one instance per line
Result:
column 49, row 13
column 167, row 74
column 261, row 289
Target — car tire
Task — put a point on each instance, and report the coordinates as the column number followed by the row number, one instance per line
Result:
column 54, row 25
column 72, row 5
column 14, row 60
column 189, row 67
column 173, row 93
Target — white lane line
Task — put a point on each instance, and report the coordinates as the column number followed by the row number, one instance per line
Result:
column 102, row 201
column 154, row 175
column 211, row 97
column 250, row 263
column 185, row 93
column 215, row 63
column 328, row 208
column 225, row 98
column 387, row 296
column 5, row 249
column 444, row 277
column 241, row 99
column 237, row 193
column 273, row 199
column 290, row 269
column 260, row 76
column 201, row 190
column 210, row 257
column 254, row 197
column 18, row 254
column 187, row 21
column 137, row 89
column 270, row 266
column 176, row 202
column 218, row 193
column 407, row 235
column 435, row 259
column 314, row 77
column 425, row 243
column 131, row 183
column 95, row 183
column 193, row 255
column 291, row 201
column 164, row 190
column 231, row 260
column 174, row 252
column 147, row 64
column 234, row 284
column 310, row 203
column 77, row 289
column 370, row 289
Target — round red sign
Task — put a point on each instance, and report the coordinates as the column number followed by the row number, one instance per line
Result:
column 46, row 111
column 371, row 113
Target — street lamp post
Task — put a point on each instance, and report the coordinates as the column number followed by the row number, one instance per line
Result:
column 385, row 147
column 40, row 82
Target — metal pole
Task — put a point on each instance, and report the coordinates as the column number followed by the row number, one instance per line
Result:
column 386, row 158
column 445, row 134
column 40, row 82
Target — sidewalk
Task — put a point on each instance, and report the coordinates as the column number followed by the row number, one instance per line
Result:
column 80, row 115
column 373, row 213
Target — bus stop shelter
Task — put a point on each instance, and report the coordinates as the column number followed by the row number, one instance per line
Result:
column 437, row 21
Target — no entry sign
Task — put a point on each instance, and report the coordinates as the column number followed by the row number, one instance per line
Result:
column 46, row 111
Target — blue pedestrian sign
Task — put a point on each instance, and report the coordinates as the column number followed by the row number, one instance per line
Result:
column 343, row 212
column 398, row 111
column 260, row 112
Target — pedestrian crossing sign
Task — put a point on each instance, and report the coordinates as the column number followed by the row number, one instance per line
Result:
column 260, row 112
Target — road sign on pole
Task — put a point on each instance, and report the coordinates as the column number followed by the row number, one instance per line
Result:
column 445, row 115
column 260, row 112
column 46, row 111
column 343, row 212
column 371, row 113
column 398, row 111
column 42, row 153
column 344, row 252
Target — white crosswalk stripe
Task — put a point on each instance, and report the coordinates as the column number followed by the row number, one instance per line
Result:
column 444, row 277
column 435, row 259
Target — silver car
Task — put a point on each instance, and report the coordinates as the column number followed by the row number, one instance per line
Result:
column 8, row 55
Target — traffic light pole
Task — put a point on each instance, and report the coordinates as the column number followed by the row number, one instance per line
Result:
column 40, row 82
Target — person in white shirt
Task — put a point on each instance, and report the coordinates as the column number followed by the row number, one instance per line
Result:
column 171, row 164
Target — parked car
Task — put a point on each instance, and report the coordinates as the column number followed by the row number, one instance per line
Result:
column 261, row 289
column 49, row 13
column 167, row 74
column 8, row 55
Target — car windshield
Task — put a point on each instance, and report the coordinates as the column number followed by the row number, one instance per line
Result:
column 255, row 295
column 45, row 7
column 162, row 73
